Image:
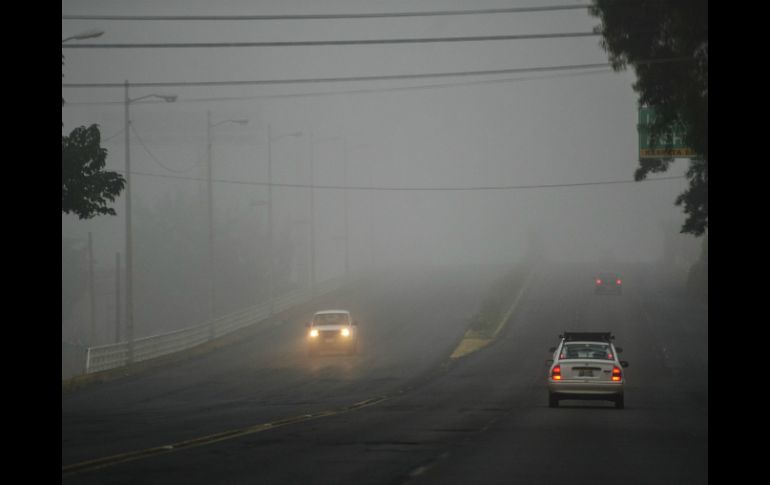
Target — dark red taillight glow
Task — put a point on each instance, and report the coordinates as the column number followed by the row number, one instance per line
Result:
column 616, row 375
column 556, row 373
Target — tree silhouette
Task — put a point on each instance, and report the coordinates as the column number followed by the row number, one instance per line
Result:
column 635, row 32
column 86, row 187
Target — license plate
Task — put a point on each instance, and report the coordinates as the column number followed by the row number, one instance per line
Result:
column 329, row 340
column 585, row 373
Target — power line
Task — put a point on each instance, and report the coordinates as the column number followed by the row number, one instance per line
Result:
column 401, row 189
column 347, row 16
column 362, row 78
column 156, row 158
column 330, row 16
column 604, row 70
column 113, row 135
column 414, row 40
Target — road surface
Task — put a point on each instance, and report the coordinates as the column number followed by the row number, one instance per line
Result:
column 263, row 411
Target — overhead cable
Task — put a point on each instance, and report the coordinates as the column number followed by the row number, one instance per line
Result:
column 156, row 158
column 307, row 43
column 604, row 70
column 366, row 78
column 340, row 16
column 420, row 189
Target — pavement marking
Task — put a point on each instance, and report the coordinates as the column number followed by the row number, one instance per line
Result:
column 470, row 344
column 107, row 461
column 427, row 466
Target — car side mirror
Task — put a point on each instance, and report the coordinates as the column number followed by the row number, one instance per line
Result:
column 552, row 350
column 624, row 363
column 549, row 362
column 619, row 349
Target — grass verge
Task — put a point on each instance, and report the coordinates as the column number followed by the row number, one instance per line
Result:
column 495, row 310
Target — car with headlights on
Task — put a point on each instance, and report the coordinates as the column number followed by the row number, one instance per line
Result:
column 585, row 365
column 332, row 330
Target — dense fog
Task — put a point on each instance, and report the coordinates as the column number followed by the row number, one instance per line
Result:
column 441, row 171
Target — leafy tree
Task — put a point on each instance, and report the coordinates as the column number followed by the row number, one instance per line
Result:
column 675, row 34
column 86, row 187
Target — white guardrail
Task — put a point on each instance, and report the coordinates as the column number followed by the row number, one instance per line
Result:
column 104, row 357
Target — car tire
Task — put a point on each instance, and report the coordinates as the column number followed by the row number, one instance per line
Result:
column 620, row 402
column 553, row 401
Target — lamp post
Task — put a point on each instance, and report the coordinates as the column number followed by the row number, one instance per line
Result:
column 129, row 249
column 271, row 139
column 347, row 203
column 210, row 203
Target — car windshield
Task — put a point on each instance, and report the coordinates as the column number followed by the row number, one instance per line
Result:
column 330, row 319
column 593, row 350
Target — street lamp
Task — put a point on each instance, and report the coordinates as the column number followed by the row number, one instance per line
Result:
column 271, row 139
column 88, row 34
column 210, row 192
column 129, row 251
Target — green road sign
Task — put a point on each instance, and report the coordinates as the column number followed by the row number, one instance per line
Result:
column 668, row 145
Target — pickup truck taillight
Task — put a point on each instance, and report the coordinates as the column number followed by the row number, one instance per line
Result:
column 556, row 373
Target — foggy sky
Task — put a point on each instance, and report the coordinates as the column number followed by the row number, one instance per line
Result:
column 540, row 129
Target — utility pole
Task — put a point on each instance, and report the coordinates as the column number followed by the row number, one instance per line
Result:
column 270, row 219
column 371, row 216
column 347, row 203
column 91, row 286
column 129, row 246
column 117, row 297
column 210, row 206
column 270, row 283
column 312, row 218
column 129, row 255
column 210, row 218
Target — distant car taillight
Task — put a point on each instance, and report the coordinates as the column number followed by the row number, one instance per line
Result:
column 556, row 373
column 618, row 282
column 616, row 375
column 598, row 281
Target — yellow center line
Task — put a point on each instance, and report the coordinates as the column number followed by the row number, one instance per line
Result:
column 111, row 460
column 470, row 346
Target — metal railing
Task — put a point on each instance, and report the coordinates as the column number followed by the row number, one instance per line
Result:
column 104, row 357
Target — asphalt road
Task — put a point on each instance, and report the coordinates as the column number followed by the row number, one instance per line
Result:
column 398, row 413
